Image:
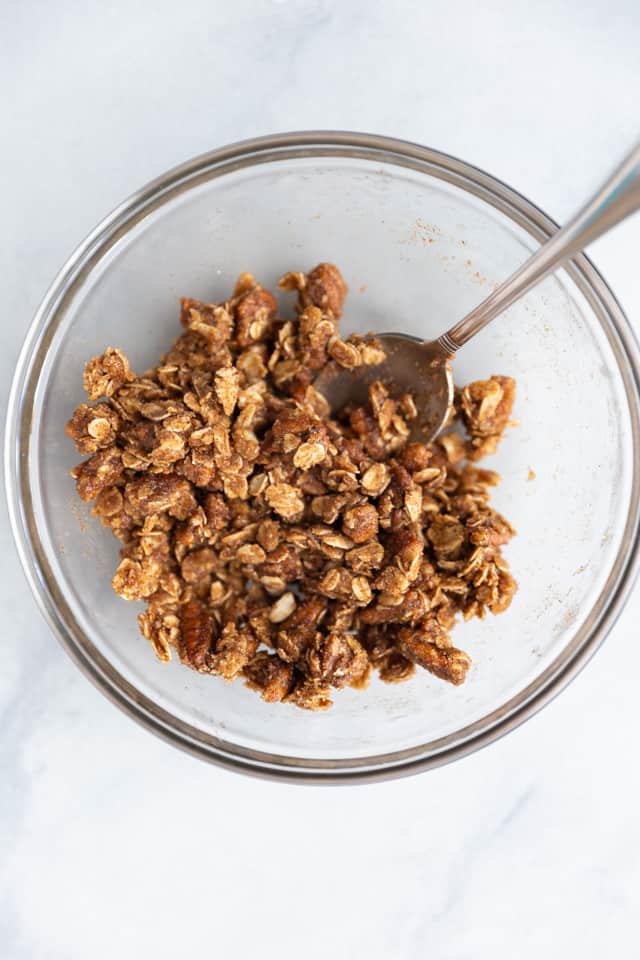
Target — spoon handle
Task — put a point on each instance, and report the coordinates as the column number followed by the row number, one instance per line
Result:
column 617, row 198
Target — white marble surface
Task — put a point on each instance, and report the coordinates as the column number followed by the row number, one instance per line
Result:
column 111, row 843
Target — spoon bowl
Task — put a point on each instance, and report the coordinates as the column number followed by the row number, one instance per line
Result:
column 411, row 366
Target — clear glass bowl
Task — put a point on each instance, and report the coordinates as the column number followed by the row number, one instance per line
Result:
column 421, row 238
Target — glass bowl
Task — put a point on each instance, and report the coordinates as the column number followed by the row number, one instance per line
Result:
column 421, row 237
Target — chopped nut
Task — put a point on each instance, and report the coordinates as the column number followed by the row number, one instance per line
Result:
column 299, row 628
column 282, row 608
column 361, row 523
column 196, row 628
column 392, row 584
column 267, row 673
column 325, row 288
column 252, row 516
column 446, row 662
column 415, row 457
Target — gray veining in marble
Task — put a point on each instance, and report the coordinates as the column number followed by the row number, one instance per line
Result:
column 111, row 843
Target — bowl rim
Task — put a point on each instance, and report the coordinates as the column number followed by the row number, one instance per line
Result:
column 243, row 154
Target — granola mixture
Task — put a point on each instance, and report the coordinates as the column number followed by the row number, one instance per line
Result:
column 271, row 541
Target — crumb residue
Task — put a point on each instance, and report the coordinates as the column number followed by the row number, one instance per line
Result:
column 422, row 233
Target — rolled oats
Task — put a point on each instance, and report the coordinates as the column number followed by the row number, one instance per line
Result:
column 271, row 540
column 375, row 479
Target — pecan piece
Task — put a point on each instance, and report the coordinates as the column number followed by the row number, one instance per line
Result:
column 325, row 288
column 298, row 630
column 196, row 635
column 440, row 658
column 268, row 674
column 361, row 523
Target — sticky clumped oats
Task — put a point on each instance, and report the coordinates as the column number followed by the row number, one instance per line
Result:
column 272, row 541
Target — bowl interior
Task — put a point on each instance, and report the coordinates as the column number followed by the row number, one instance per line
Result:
column 417, row 252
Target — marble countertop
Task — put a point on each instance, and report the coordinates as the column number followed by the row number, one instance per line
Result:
column 111, row 843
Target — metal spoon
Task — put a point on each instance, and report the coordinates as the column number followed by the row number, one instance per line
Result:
column 423, row 369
